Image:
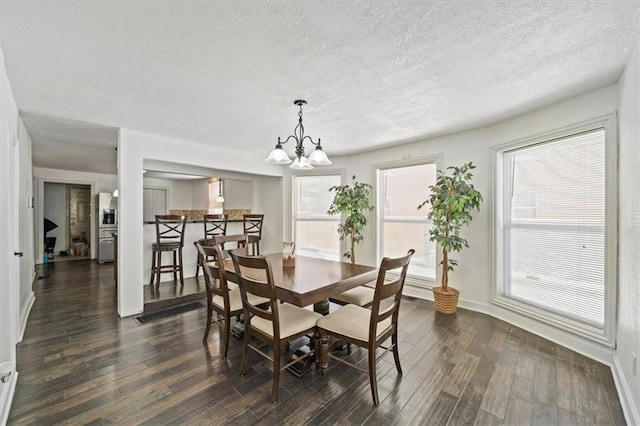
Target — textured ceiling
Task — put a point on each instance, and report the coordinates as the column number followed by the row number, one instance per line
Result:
column 375, row 73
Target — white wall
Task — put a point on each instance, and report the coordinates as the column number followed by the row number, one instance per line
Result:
column 473, row 277
column 178, row 192
column 629, row 236
column 135, row 149
column 54, row 208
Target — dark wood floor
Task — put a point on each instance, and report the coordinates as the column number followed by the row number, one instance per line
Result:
column 79, row 363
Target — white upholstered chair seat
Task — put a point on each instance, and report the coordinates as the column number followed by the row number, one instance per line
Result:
column 293, row 320
column 235, row 299
column 359, row 296
column 352, row 321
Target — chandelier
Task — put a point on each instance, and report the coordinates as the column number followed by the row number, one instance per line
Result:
column 316, row 158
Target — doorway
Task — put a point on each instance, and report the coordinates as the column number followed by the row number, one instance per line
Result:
column 67, row 222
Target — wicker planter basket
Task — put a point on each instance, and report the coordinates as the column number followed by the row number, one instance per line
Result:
column 446, row 301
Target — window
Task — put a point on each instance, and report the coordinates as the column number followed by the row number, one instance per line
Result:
column 315, row 232
column 154, row 201
column 552, row 233
column 401, row 225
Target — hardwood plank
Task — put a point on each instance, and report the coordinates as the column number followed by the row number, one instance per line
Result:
column 518, row 412
column 497, row 395
column 569, row 418
column 440, row 410
column 522, row 388
column 569, row 398
column 545, row 387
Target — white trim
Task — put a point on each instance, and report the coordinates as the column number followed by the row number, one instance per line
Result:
column 7, row 390
column 629, row 404
column 24, row 315
column 604, row 336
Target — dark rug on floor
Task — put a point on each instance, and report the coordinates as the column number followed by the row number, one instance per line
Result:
column 144, row 319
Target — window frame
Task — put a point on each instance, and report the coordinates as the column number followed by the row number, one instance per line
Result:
column 606, row 334
column 437, row 159
column 294, row 202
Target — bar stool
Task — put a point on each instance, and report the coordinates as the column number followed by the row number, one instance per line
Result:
column 214, row 224
column 252, row 225
column 169, row 238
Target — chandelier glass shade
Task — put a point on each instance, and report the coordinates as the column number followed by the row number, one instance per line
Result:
column 220, row 197
column 301, row 162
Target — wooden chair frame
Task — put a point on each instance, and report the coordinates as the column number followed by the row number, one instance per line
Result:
column 386, row 288
column 214, row 224
column 169, row 238
column 264, row 287
column 214, row 274
column 252, row 226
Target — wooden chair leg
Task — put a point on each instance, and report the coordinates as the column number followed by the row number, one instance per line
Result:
column 245, row 352
column 373, row 380
column 209, row 320
column 198, row 262
column 396, row 354
column 181, row 271
column 158, row 269
column 153, row 268
column 276, row 372
column 175, row 269
column 227, row 335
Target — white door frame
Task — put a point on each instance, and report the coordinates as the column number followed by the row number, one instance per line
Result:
column 10, row 265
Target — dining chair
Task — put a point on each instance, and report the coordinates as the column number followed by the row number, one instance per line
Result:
column 370, row 328
column 214, row 224
column 273, row 327
column 169, row 238
column 252, row 226
column 223, row 301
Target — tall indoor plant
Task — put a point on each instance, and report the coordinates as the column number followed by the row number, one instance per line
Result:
column 351, row 202
column 451, row 201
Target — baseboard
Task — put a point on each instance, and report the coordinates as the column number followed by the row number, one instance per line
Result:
column 25, row 310
column 629, row 404
column 417, row 292
column 7, row 391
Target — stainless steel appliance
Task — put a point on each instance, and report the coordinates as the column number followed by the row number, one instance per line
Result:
column 107, row 218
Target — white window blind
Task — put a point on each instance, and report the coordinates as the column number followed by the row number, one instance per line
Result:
column 315, row 232
column 554, row 212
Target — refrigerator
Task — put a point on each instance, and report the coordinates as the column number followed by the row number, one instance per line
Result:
column 107, row 218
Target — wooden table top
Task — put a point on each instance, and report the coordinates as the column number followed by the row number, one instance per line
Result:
column 312, row 280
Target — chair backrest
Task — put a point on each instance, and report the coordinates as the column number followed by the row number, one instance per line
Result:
column 252, row 224
column 170, row 229
column 256, row 277
column 388, row 291
column 213, row 273
column 214, row 224
column 240, row 240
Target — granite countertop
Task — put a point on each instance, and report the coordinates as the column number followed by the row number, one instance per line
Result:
column 197, row 221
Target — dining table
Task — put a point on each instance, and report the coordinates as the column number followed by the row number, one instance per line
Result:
column 312, row 281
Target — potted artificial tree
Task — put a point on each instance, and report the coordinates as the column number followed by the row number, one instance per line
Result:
column 451, row 201
column 351, row 202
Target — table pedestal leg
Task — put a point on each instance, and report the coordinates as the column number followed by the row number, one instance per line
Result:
column 322, row 307
column 324, row 351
